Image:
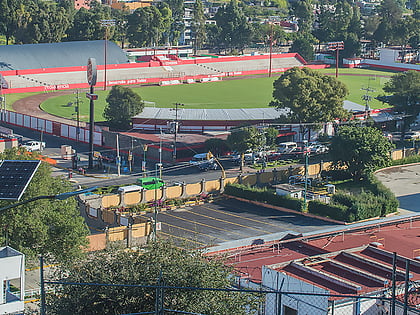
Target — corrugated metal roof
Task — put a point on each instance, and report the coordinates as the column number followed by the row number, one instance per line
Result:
column 52, row 55
column 210, row 114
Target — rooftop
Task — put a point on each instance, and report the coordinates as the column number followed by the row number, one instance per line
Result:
column 348, row 261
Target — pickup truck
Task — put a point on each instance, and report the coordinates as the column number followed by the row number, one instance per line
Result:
column 34, row 146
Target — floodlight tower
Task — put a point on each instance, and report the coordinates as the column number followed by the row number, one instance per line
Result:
column 91, row 78
column 336, row 46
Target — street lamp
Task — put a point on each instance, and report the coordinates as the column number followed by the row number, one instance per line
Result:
column 107, row 24
column 155, row 215
column 176, row 128
column 61, row 196
column 305, row 152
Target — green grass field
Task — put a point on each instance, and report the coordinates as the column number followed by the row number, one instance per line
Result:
column 244, row 93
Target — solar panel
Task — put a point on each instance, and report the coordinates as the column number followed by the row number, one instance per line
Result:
column 15, row 176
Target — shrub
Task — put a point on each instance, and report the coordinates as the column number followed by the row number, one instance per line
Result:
column 264, row 195
column 333, row 211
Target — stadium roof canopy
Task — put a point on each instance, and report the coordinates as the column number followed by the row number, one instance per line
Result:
column 53, row 55
column 225, row 114
column 210, row 114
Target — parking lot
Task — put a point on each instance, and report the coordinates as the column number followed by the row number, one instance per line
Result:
column 228, row 220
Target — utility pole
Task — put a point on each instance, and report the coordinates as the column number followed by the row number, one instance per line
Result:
column 91, row 78
column 271, row 49
column 176, row 129
column 107, row 24
column 118, row 157
column 367, row 98
column 77, row 109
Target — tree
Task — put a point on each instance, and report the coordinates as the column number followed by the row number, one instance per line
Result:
column 235, row 31
column 122, row 104
column 361, row 150
column 304, row 13
column 10, row 15
column 271, row 134
column 309, row 96
column 216, row 145
column 390, row 13
column 198, row 25
column 246, row 139
column 303, row 45
column 54, row 229
column 177, row 23
column 87, row 23
column 405, row 89
column 45, row 22
column 146, row 266
column 145, row 26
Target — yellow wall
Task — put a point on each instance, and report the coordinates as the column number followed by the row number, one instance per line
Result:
column 110, row 201
column 141, row 229
column 213, row 185
column 173, row 192
column 132, row 198
column 193, row 189
column 118, row 233
column 249, row 180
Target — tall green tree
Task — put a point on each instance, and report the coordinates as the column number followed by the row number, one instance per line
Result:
column 361, row 150
column 198, row 25
column 246, row 139
column 54, row 229
column 391, row 14
column 309, row 96
column 304, row 45
column 271, row 134
column 146, row 26
column 156, row 262
column 10, row 14
column 303, row 11
column 177, row 23
column 235, row 31
column 122, row 104
column 87, row 23
column 405, row 90
column 45, row 22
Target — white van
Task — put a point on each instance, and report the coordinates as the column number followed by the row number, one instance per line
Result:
column 200, row 158
column 286, row 147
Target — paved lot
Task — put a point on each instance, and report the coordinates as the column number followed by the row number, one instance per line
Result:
column 228, row 220
column 404, row 183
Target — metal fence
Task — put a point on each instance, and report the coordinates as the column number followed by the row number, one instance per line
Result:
column 168, row 300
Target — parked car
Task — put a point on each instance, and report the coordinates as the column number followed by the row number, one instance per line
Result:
column 206, row 166
column 286, row 147
column 318, row 149
column 296, row 153
column 34, row 145
column 412, row 135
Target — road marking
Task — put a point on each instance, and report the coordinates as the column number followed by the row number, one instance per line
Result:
column 183, row 238
column 211, row 236
column 210, row 226
column 213, row 218
column 238, row 216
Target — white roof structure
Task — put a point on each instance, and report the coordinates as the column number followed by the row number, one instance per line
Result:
column 210, row 114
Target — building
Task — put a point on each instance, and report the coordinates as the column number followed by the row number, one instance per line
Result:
column 350, row 268
column 12, row 269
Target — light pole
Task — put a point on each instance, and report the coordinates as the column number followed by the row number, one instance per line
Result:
column 107, row 24
column 155, row 215
column 176, row 129
column 305, row 152
column 61, row 196
column 336, row 46
column 143, row 167
column 91, row 78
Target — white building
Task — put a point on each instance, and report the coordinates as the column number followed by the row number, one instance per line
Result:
column 12, row 267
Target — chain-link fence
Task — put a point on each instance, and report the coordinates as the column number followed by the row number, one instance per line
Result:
column 169, row 300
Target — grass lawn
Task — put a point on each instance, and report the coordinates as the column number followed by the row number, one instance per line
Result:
column 11, row 98
column 246, row 93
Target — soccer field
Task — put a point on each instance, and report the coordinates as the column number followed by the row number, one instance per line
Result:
column 238, row 93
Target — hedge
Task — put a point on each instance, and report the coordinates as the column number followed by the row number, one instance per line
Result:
column 264, row 195
column 333, row 211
